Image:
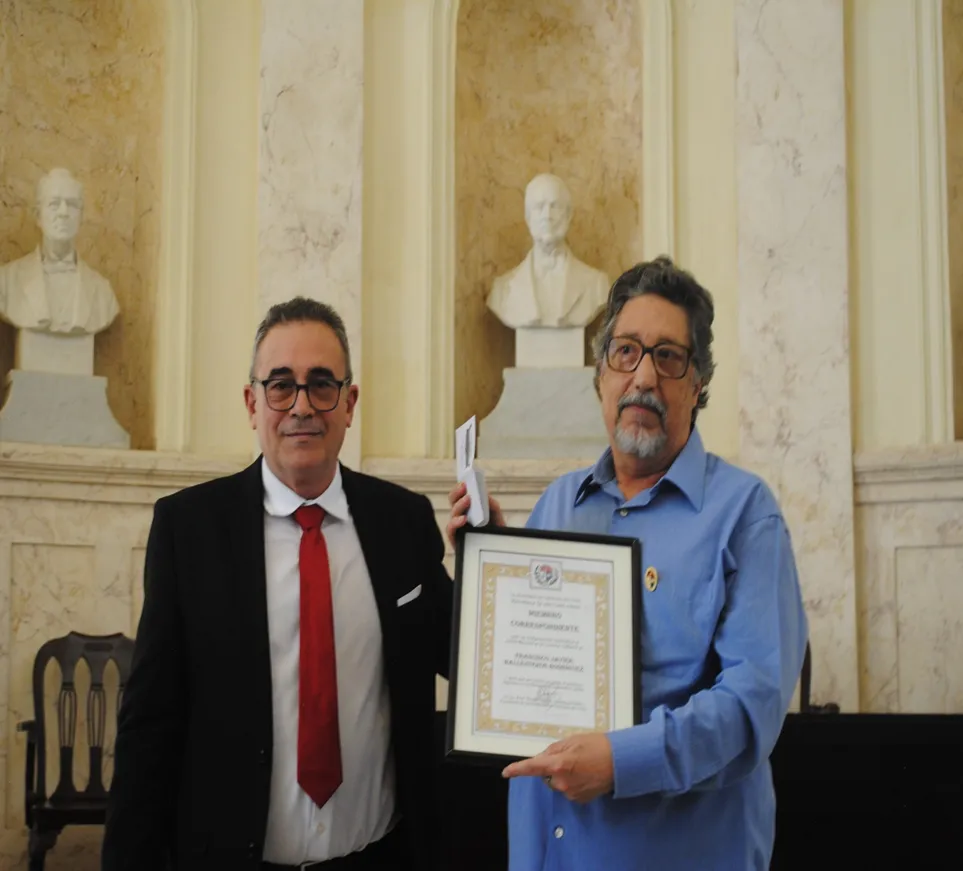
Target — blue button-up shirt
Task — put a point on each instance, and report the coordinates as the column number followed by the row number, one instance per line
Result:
column 723, row 639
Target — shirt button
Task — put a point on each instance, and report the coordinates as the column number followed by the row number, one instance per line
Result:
column 320, row 828
column 559, row 831
column 624, row 512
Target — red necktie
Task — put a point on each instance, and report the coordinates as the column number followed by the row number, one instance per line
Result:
column 319, row 741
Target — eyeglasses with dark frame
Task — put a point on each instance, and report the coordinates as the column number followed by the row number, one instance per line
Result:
column 323, row 394
column 625, row 354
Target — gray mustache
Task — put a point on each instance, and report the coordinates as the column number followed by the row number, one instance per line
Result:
column 643, row 400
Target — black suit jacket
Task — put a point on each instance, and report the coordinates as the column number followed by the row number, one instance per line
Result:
column 194, row 739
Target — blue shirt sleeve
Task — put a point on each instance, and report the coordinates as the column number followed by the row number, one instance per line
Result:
column 723, row 732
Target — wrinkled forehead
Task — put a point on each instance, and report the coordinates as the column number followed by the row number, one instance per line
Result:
column 300, row 348
column 59, row 187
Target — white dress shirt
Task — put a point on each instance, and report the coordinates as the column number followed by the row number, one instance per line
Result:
column 362, row 810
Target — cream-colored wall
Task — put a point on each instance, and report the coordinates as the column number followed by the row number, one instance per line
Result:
column 953, row 100
column 898, row 278
column 704, row 90
column 224, row 312
column 396, row 228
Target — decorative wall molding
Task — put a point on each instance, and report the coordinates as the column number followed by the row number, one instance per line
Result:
column 101, row 475
column 172, row 366
column 925, row 474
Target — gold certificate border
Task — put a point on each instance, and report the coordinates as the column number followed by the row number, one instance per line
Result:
column 484, row 722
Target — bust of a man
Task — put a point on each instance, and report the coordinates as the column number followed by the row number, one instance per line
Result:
column 550, row 287
column 51, row 290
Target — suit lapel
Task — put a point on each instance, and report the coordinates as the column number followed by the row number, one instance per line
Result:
column 246, row 534
column 373, row 531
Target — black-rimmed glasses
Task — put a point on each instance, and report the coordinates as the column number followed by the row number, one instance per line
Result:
column 282, row 393
column 625, row 354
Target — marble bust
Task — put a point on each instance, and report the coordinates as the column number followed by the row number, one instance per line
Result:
column 550, row 287
column 51, row 290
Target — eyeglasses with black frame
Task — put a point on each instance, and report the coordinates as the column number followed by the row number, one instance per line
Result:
column 625, row 354
column 323, row 394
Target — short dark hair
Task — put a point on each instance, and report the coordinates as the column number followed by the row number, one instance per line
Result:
column 663, row 278
column 299, row 310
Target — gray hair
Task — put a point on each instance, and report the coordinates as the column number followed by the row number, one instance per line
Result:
column 301, row 310
column 663, row 278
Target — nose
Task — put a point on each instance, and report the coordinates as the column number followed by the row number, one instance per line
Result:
column 301, row 407
column 645, row 377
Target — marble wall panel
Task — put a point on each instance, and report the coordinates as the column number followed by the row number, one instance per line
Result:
column 909, row 512
column 72, row 544
column 794, row 390
column 310, row 164
column 552, row 86
column 82, row 87
column 929, row 628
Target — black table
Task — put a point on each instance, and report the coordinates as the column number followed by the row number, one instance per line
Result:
column 853, row 791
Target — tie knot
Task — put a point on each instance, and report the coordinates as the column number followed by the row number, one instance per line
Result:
column 309, row 517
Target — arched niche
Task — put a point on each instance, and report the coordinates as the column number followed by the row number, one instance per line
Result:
column 84, row 89
column 551, row 86
column 419, row 339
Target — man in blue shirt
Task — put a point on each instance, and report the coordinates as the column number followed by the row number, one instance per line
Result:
column 723, row 625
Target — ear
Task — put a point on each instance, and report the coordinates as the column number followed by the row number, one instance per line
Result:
column 250, row 402
column 350, row 400
column 696, row 389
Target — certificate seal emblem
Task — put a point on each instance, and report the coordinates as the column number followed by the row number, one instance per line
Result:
column 546, row 575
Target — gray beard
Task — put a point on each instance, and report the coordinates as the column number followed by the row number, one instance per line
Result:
column 644, row 445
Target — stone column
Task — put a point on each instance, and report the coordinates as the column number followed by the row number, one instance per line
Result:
column 794, row 378
column 310, row 162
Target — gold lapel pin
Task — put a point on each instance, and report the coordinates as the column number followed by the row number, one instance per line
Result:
column 651, row 579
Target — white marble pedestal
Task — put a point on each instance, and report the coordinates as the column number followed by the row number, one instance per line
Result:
column 50, row 408
column 545, row 413
column 53, row 397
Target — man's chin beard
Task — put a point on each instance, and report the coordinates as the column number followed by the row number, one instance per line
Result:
column 642, row 444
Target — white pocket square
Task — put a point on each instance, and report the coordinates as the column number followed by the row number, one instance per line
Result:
column 410, row 596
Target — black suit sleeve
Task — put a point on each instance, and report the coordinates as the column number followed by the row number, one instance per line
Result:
column 441, row 589
column 152, row 720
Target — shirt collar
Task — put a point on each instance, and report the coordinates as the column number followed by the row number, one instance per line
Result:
column 281, row 501
column 687, row 472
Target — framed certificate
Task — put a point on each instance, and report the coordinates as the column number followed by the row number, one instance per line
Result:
column 545, row 640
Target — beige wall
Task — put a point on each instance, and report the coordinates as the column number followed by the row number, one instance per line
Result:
column 953, row 96
column 898, row 243
column 83, row 88
column 704, row 88
column 224, row 310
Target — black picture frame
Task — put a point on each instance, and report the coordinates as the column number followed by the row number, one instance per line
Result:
column 629, row 551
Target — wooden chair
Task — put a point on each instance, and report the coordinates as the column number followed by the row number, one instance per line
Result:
column 46, row 816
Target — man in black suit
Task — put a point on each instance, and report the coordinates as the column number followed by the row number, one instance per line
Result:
column 244, row 740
